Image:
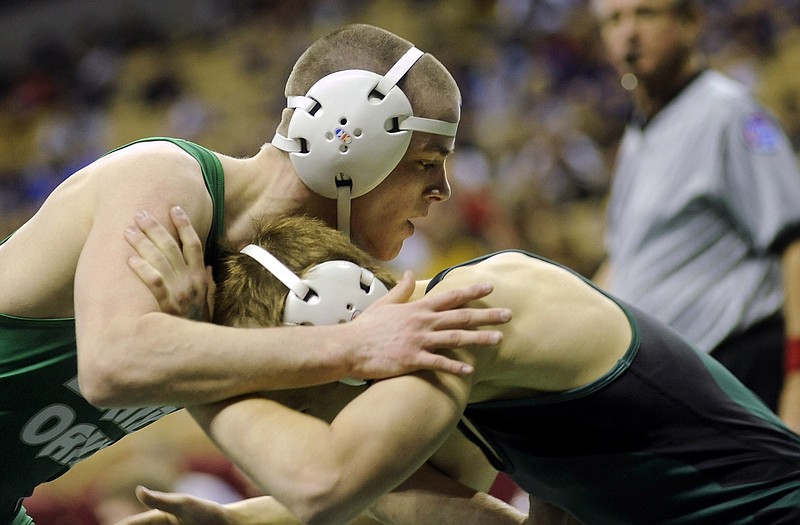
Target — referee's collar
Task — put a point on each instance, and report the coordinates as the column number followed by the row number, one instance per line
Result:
column 640, row 120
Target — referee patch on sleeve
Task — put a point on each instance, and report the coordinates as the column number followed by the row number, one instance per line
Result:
column 761, row 134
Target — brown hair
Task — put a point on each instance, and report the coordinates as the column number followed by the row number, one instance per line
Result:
column 247, row 290
column 362, row 46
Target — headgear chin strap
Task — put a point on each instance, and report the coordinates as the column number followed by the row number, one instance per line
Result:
column 331, row 292
column 350, row 131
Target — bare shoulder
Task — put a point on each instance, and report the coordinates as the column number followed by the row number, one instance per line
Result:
column 146, row 159
column 519, row 278
column 564, row 332
column 151, row 176
column 38, row 263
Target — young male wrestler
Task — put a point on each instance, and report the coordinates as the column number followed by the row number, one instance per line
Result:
column 77, row 324
column 589, row 404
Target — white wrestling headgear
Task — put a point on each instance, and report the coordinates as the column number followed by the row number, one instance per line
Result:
column 350, row 131
column 331, row 292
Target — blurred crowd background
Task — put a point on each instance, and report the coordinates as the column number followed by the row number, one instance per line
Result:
column 542, row 111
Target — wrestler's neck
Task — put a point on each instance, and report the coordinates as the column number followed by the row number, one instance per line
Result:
column 267, row 185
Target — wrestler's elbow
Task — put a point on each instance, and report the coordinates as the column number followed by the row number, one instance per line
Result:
column 319, row 501
column 98, row 383
column 103, row 385
column 107, row 368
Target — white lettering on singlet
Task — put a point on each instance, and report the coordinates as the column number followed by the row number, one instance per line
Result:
column 67, row 442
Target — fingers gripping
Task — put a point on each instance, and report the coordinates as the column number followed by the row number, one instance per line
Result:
column 159, row 500
column 429, row 361
column 401, row 291
column 180, row 509
column 190, row 242
column 173, row 270
column 147, row 251
column 459, row 297
column 453, row 324
column 150, row 277
column 466, row 318
column 191, row 263
column 422, row 328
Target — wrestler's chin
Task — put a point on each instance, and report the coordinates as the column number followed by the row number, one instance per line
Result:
column 392, row 251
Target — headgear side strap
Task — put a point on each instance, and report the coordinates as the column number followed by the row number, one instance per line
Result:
column 429, row 125
column 278, row 269
column 300, row 101
column 400, row 68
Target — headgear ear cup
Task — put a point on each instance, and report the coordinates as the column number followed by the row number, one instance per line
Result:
column 350, row 131
column 331, row 292
column 348, row 127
